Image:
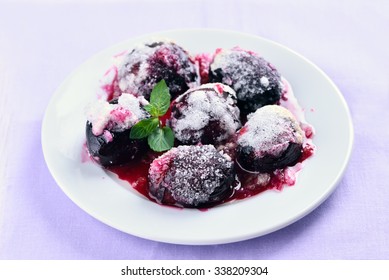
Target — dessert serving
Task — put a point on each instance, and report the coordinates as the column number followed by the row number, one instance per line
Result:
column 197, row 131
column 129, row 190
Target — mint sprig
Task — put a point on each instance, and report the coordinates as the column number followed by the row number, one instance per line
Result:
column 159, row 138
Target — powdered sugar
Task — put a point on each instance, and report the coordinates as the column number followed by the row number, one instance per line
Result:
column 107, row 136
column 115, row 117
column 270, row 130
column 160, row 166
column 191, row 175
column 198, row 108
column 256, row 82
column 264, row 81
column 244, row 71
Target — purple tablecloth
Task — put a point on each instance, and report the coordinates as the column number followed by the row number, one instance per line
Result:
column 41, row 43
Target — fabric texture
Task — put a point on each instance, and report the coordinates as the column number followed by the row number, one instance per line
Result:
column 42, row 42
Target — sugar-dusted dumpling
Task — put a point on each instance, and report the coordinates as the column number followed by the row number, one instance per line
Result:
column 191, row 176
column 147, row 64
column 207, row 114
column 271, row 139
column 108, row 130
column 256, row 82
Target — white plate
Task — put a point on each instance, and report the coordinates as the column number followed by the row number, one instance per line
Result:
column 102, row 196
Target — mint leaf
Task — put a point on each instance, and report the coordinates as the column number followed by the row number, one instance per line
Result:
column 144, row 128
column 153, row 110
column 169, row 135
column 161, row 139
column 159, row 100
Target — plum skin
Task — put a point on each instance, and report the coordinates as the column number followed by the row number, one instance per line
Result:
column 119, row 151
column 246, row 158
